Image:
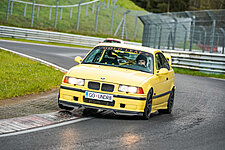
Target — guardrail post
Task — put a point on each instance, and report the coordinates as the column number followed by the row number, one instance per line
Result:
column 185, row 40
column 124, row 23
column 104, row 4
column 61, row 11
column 213, row 30
column 56, row 12
column 86, row 12
column 11, row 9
column 25, row 10
column 111, row 28
column 115, row 2
column 135, row 27
column 185, row 37
column 32, row 15
column 174, row 33
column 203, row 29
column 192, row 33
column 50, row 13
column 169, row 38
column 38, row 11
column 96, row 18
column 218, row 39
column 192, row 29
column 212, row 36
column 78, row 14
column 7, row 12
column 108, row 3
column 71, row 12
column 200, row 37
column 222, row 30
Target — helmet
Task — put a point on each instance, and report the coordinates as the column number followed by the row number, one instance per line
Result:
column 141, row 57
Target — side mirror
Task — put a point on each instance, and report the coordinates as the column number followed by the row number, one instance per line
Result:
column 162, row 71
column 78, row 59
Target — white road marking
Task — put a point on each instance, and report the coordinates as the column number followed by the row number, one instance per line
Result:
column 45, row 127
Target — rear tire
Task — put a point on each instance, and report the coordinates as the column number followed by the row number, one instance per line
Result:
column 169, row 105
column 148, row 105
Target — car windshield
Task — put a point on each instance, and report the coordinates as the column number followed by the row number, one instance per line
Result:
column 120, row 57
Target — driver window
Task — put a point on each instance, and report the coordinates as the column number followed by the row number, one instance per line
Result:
column 164, row 61
column 158, row 62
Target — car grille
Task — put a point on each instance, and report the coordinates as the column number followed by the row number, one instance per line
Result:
column 94, row 85
column 107, row 87
column 104, row 87
column 93, row 101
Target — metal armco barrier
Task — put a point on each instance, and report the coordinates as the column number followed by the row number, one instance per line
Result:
column 207, row 62
column 198, row 61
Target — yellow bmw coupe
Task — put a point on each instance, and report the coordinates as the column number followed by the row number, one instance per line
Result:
column 124, row 78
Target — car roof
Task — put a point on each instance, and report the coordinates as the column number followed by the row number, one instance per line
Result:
column 129, row 46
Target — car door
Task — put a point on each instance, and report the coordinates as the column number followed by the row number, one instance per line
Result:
column 162, row 82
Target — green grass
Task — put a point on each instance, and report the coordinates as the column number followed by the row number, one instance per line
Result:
column 67, row 25
column 20, row 76
column 197, row 73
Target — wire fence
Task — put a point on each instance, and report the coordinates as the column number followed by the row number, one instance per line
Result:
column 190, row 30
column 95, row 17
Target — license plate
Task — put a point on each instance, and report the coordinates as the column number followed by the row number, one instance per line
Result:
column 99, row 96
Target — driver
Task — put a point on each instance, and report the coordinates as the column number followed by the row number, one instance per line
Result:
column 141, row 60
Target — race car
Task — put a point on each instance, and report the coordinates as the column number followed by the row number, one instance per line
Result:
column 111, row 40
column 125, row 79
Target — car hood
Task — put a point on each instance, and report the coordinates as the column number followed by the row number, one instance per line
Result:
column 110, row 74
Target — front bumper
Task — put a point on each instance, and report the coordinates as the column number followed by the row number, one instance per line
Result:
column 122, row 104
column 122, row 112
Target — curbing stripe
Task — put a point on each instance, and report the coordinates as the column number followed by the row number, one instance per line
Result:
column 45, row 127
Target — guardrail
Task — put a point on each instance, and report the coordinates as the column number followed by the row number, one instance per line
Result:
column 207, row 62
column 198, row 61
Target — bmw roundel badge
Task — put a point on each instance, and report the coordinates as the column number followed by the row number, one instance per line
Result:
column 103, row 78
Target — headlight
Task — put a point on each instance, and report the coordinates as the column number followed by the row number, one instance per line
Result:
column 74, row 81
column 131, row 89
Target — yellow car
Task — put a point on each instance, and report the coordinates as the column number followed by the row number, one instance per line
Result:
column 126, row 79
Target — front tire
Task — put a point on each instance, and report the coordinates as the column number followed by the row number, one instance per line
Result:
column 148, row 105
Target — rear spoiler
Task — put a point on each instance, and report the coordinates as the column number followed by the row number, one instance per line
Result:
column 169, row 58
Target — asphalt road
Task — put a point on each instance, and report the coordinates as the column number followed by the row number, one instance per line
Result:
column 197, row 121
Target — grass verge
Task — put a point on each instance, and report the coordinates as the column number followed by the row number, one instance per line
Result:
column 20, row 76
column 197, row 73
